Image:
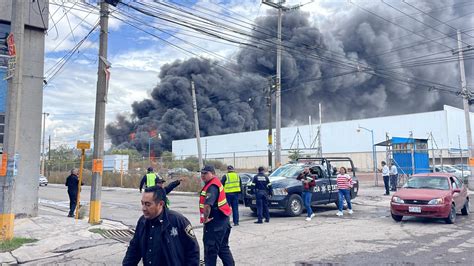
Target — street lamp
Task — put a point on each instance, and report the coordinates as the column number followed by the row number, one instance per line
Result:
column 149, row 145
column 374, row 154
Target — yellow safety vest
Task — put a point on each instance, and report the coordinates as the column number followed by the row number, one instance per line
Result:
column 232, row 183
column 150, row 179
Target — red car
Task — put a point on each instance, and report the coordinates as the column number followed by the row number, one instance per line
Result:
column 431, row 195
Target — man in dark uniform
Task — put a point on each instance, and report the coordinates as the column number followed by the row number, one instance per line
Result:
column 150, row 179
column 232, row 187
column 162, row 236
column 262, row 189
column 215, row 214
column 72, row 183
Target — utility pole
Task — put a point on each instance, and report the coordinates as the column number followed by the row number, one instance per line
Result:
column 196, row 125
column 49, row 155
column 99, row 127
column 432, row 152
column 43, row 159
column 320, row 147
column 280, row 8
column 466, row 97
column 12, row 124
column 270, row 125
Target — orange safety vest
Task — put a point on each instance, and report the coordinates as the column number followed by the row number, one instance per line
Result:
column 221, row 200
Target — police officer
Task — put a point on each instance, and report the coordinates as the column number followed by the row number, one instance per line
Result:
column 162, row 236
column 150, row 179
column 262, row 188
column 215, row 214
column 232, row 187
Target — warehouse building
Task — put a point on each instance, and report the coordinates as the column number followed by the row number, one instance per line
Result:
column 444, row 129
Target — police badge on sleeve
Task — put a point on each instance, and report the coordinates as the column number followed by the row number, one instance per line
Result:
column 189, row 231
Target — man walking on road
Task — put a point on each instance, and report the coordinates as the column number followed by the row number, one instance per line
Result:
column 232, row 185
column 215, row 214
column 386, row 177
column 162, row 236
column 262, row 189
column 72, row 183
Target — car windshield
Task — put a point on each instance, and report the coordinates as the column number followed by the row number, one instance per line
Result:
column 462, row 167
column 428, row 182
column 450, row 169
column 291, row 170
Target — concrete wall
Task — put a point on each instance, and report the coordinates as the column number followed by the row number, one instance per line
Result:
column 26, row 182
column 249, row 149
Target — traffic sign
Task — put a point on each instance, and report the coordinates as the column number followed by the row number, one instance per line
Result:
column 83, row 145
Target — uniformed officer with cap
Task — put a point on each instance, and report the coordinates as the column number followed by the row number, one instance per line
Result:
column 150, row 179
column 262, row 188
column 215, row 214
column 232, row 187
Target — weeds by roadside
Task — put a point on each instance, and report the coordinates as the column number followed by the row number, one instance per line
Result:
column 15, row 243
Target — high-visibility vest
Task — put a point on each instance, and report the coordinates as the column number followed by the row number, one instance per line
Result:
column 221, row 200
column 232, row 183
column 150, row 179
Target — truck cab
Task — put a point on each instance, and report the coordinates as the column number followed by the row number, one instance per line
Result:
column 287, row 191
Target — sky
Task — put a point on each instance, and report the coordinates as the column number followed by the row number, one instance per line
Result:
column 136, row 57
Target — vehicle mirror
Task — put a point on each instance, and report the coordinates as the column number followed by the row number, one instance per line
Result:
column 456, row 190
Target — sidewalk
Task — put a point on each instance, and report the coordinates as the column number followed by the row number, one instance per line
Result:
column 63, row 240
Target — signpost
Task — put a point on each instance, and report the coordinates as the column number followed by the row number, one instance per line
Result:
column 83, row 146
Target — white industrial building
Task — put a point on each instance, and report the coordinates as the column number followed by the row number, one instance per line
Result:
column 248, row 150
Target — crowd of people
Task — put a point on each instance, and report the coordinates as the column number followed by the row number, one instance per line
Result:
column 166, row 237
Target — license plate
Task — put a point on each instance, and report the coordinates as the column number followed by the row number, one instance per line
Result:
column 414, row 209
column 254, row 202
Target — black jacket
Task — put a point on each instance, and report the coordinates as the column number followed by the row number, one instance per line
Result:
column 178, row 249
column 72, row 183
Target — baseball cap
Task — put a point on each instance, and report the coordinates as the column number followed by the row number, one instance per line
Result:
column 207, row 168
column 230, row 167
column 150, row 169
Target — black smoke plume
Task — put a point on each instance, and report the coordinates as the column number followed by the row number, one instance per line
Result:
column 232, row 98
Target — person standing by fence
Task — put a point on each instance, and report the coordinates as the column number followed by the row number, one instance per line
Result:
column 150, row 179
column 386, row 177
column 393, row 177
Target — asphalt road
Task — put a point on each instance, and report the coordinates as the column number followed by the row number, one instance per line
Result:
column 368, row 237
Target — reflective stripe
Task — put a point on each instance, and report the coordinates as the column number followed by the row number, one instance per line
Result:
column 232, row 183
column 201, row 205
column 203, row 193
column 223, row 202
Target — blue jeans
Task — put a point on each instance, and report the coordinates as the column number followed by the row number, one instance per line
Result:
column 262, row 206
column 344, row 193
column 307, row 202
column 233, row 201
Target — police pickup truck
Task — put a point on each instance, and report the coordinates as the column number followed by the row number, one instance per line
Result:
column 287, row 191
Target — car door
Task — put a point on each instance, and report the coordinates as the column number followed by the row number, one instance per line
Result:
column 463, row 195
column 457, row 198
column 322, row 190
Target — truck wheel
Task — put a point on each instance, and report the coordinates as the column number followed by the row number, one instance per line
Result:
column 254, row 210
column 294, row 206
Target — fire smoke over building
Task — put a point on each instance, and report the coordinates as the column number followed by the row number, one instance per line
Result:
column 356, row 68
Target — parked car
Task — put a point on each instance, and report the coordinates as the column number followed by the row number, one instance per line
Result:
column 431, row 195
column 43, row 181
column 177, row 171
column 463, row 175
column 287, row 191
column 463, row 168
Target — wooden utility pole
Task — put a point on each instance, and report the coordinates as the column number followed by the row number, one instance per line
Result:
column 99, row 127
